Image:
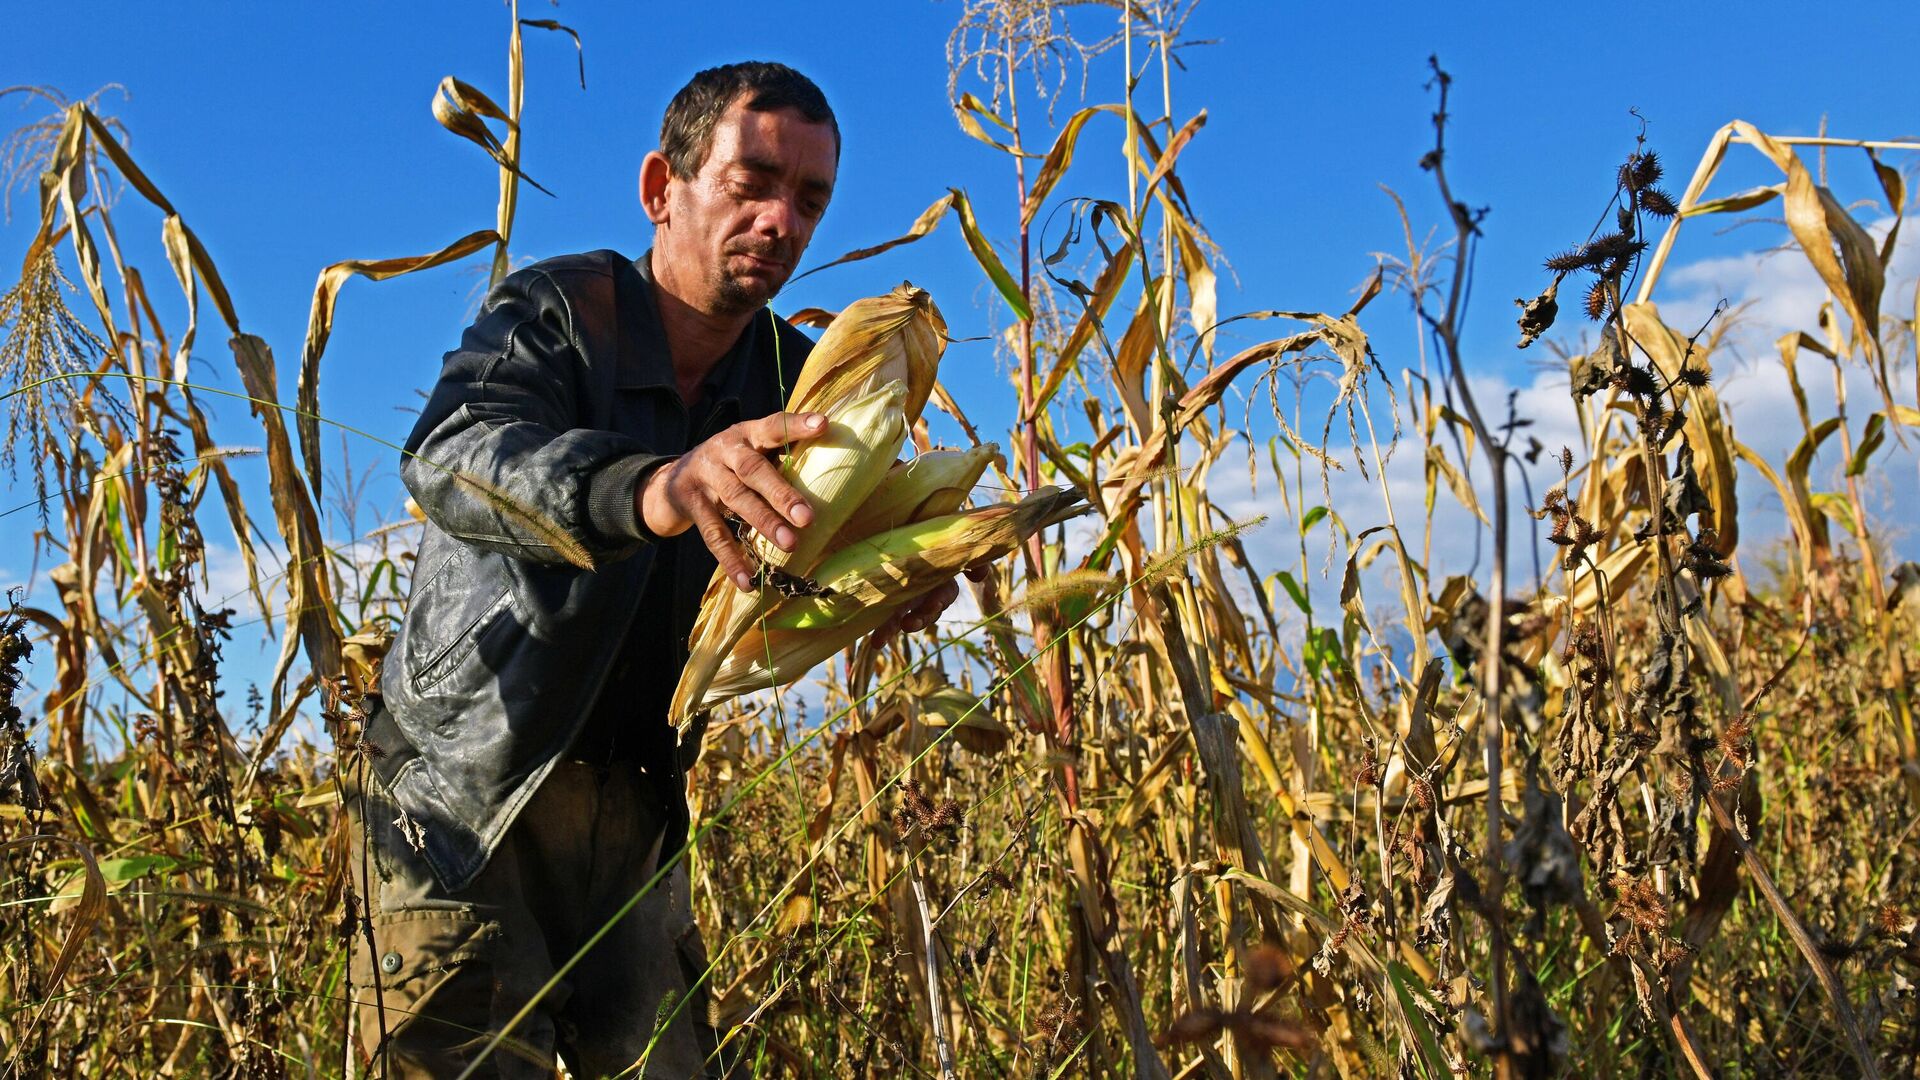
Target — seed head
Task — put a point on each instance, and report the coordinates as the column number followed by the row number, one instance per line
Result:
column 1658, row 203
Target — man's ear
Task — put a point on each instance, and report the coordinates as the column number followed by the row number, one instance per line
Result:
column 654, row 175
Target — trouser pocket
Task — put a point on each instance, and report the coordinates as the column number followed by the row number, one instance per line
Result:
column 439, row 1000
column 424, row 990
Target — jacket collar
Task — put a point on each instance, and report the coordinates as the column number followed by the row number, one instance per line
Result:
column 646, row 361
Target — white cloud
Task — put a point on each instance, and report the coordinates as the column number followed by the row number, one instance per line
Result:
column 1774, row 293
column 224, row 582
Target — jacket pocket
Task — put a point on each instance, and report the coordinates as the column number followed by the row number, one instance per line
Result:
column 437, row 666
column 447, row 614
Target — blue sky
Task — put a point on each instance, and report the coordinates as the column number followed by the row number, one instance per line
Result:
column 291, row 136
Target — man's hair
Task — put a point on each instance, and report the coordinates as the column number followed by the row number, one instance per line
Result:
column 686, row 132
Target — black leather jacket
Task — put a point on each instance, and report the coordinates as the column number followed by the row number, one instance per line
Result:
column 525, row 460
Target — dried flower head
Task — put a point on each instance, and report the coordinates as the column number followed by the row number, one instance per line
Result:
column 1642, row 170
column 1658, row 203
column 1370, row 772
column 918, row 813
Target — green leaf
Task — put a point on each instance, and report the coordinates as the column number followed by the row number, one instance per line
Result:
column 1294, row 590
column 1433, row 1063
column 373, row 580
column 168, row 549
column 116, row 529
column 1321, row 652
column 1835, row 505
column 135, row 866
column 1876, row 435
column 1870, row 440
column 1311, row 518
column 983, row 254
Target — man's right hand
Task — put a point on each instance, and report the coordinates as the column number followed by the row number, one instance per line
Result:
column 731, row 473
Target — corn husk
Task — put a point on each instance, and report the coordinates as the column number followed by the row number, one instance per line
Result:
column 908, row 561
column 872, row 342
column 836, row 471
column 932, row 484
column 867, row 583
column 766, row 657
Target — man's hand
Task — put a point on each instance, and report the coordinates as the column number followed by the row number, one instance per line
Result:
column 731, row 473
column 923, row 612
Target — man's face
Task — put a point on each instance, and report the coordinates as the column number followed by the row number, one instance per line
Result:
column 736, row 229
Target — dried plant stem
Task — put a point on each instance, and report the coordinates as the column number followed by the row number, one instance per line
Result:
column 936, row 1007
column 510, row 147
column 1829, row 982
column 1447, row 329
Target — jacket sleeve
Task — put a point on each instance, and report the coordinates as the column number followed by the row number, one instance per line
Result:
column 497, row 459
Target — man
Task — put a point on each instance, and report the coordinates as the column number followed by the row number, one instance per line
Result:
column 578, row 461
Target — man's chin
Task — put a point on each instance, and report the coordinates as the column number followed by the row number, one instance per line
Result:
column 747, row 292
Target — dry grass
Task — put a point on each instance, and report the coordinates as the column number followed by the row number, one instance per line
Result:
column 1160, row 811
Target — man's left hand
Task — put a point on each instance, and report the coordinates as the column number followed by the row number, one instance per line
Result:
column 925, row 611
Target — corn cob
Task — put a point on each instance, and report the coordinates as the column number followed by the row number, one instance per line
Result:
column 936, row 482
column 886, row 346
column 866, row 584
column 837, row 470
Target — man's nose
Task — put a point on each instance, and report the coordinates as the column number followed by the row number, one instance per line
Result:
column 779, row 216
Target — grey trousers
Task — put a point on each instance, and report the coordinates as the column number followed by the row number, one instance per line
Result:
column 454, row 968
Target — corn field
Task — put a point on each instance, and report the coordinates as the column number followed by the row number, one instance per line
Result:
column 1159, row 803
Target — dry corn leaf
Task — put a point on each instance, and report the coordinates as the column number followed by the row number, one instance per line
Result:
column 310, row 604
column 928, row 220
column 1096, row 304
column 950, row 712
column 970, row 110
column 1706, row 430
column 1842, row 252
column 320, row 327
column 1058, row 160
column 579, row 50
column 87, row 912
column 465, row 111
